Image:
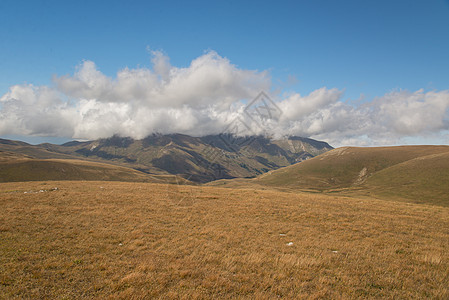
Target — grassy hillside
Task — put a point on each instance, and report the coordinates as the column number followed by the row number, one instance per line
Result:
column 66, row 169
column 137, row 241
column 423, row 180
column 411, row 173
column 8, row 156
column 344, row 167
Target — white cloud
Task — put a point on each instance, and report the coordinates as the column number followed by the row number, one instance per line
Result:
column 390, row 119
column 29, row 110
column 202, row 99
column 209, row 80
column 413, row 113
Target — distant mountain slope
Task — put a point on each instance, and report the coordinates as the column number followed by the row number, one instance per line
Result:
column 12, row 143
column 67, row 169
column 8, row 156
column 42, row 151
column 200, row 159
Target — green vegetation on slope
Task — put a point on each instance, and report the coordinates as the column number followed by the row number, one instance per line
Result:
column 423, row 180
column 344, row 167
column 415, row 173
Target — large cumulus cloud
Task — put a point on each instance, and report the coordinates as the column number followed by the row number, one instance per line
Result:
column 202, row 99
column 195, row 100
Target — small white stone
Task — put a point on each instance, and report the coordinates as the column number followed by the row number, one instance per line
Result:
column 290, row 244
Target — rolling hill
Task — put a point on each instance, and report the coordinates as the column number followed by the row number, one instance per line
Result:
column 414, row 173
column 424, row 179
column 27, row 169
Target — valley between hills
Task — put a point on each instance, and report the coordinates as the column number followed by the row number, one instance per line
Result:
column 174, row 216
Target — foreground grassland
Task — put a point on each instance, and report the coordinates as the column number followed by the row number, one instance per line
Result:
column 142, row 240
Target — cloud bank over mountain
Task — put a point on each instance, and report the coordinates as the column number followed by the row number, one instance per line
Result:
column 204, row 98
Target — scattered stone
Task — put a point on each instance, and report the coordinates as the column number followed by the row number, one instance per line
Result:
column 42, row 191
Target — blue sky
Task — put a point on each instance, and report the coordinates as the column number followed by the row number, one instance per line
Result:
column 365, row 49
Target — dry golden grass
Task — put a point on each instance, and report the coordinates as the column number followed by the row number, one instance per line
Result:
column 17, row 168
column 416, row 174
column 8, row 156
column 140, row 240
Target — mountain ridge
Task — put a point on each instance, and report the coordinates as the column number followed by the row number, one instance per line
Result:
column 197, row 159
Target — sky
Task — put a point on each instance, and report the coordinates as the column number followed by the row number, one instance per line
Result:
column 361, row 73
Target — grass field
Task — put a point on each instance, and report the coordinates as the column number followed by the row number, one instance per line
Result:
column 75, row 239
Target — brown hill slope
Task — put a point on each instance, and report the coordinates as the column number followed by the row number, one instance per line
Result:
column 415, row 173
column 27, row 169
column 344, row 167
column 423, row 180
